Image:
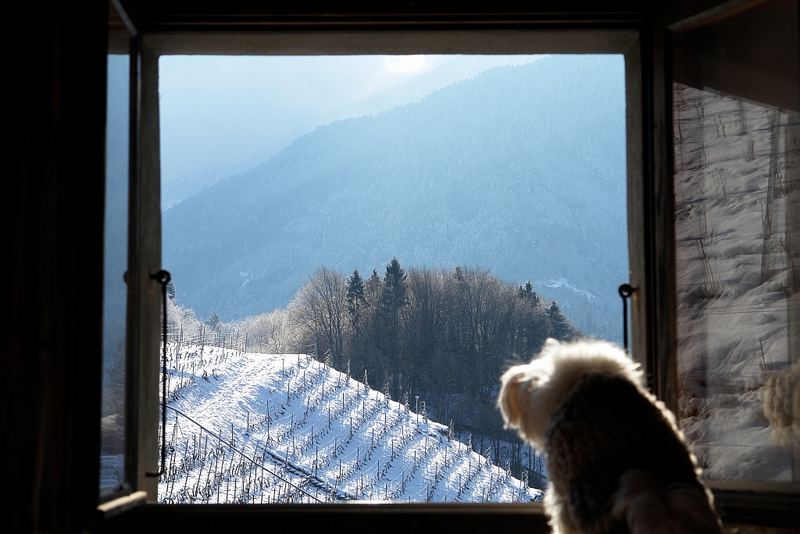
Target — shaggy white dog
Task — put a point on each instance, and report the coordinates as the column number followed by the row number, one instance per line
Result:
column 616, row 461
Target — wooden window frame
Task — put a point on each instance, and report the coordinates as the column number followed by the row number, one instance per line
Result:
column 164, row 28
column 400, row 39
column 125, row 495
column 737, row 501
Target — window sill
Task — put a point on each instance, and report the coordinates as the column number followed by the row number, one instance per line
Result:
column 527, row 518
column 122, row 504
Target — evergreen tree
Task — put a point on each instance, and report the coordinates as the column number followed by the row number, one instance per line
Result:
column 213, row 321
column 369, row 346
column 373, row 288
column 559, row 326
column 356, row 302
column 526, row 292
column 393, row 298
column 171, row 290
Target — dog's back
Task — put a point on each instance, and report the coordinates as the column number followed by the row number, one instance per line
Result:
column 620, row 464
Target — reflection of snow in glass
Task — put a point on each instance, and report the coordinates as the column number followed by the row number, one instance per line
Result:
column 734, row 262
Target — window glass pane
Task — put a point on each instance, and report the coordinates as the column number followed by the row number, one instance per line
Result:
column 112, row 459
column 351, row 241
column 737, row 147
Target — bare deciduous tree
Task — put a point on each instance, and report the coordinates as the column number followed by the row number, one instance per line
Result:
column 320, row 309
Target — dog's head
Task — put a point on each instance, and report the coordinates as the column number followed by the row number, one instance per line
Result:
column 530, row 393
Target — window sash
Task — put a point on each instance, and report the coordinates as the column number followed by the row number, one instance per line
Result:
column 325, row 42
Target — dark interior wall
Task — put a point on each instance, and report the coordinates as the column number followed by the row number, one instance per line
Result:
column 753, row 54
column 51, row 339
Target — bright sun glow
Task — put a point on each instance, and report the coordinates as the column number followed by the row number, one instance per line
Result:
column 405, row 64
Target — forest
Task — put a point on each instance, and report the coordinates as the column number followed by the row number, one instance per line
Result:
column 437, row 336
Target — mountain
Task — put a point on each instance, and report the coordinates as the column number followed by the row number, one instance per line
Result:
column 520, row 170
column 221, row 115
column 452, row 70
column 277, row 428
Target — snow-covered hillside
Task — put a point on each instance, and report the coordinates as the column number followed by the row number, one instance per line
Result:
column 264, row 428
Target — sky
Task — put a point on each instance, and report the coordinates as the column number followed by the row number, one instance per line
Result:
column 224, row 114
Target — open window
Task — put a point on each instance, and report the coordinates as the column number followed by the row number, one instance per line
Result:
column 736, row 136
column 118, row 407
column 606, row 172
column 658, row 328
column 481, row 226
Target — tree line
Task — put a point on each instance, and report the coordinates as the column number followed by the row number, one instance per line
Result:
column 444, row 336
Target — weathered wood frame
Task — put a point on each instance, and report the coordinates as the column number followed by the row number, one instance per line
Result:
column 737, row 501
column 398, row 41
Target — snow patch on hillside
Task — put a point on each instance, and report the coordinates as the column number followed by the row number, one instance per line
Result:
column 563, row 282
column 264, row 428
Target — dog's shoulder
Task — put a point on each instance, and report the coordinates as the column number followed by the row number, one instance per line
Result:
column 605, row 427
column 620, row 421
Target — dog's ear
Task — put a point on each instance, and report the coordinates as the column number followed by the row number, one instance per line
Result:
column 510, row 400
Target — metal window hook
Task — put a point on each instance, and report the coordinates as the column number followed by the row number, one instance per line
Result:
column 163, row 277
column 625, row 292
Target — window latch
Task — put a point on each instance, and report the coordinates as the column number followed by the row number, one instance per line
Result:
column 625, row 292
column 163, row 277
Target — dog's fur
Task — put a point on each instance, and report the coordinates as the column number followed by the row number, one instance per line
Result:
column 616, row 460
column 782, row 406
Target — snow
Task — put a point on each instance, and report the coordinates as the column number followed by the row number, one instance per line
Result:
column 734, row 267
column 563, row 282
column 262, row 428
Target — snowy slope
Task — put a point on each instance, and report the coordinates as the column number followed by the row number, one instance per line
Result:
column 245, row 427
